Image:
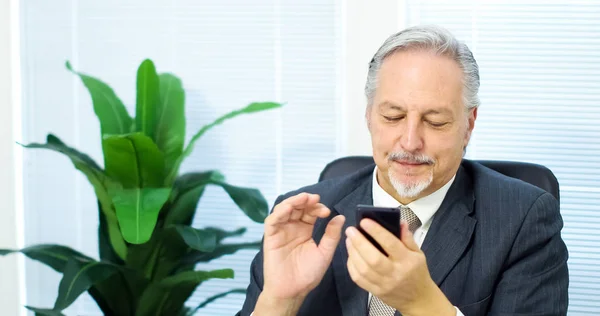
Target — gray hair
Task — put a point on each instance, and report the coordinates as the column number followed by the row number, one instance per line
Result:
column 438, row 40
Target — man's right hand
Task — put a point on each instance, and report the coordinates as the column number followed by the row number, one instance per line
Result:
column 293, row 263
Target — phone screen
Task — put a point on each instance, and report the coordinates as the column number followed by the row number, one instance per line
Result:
column 387, row 217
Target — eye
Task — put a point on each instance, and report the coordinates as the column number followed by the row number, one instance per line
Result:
column 392, row 118
column 437, row 124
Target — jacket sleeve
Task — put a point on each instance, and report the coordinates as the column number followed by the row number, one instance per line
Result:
column 255, row 287
column 535, row 279
column 256, row 277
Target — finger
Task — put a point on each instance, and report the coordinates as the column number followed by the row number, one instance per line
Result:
column 367, row 252
column 362, row 267
column 298, row 200
column 312, row 207
column 407, row 237
column 356, row 276
column 331, row 238
column 282, row 212
column 303, row 200
column 311, row 214
column 313, row 198
column 390, row 243
column 296, row 214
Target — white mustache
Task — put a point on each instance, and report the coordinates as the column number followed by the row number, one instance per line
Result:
column 411, row 158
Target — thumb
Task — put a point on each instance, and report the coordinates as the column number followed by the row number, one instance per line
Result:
column 407, row 237
column 332, row 236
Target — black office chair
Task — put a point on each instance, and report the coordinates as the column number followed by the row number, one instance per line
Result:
column 535, row 174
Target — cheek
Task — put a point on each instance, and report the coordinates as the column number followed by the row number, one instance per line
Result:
column 383, row 139
column 444, row 146
column 382, row 142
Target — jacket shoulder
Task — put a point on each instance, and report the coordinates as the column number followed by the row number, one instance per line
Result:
column 496, row 191
column 334, row 189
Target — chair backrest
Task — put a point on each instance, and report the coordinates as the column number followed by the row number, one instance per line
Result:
column 535, row 174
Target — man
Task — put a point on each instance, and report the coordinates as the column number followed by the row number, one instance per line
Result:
column 473, row 241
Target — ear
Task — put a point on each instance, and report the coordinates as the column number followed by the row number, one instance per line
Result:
column 472, row 116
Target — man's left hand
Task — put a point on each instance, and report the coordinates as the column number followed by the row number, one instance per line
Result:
column 401, row 279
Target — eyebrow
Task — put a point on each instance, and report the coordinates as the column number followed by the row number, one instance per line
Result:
column 391, row 105
column 441, row 111
column 395, row 106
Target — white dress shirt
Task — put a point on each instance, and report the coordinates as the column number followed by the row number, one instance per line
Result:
column 425, row 208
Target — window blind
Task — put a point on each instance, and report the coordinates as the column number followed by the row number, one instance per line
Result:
column 228, row 54
column 540, row 69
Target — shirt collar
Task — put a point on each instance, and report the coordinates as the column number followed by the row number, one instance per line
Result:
column 424, row 207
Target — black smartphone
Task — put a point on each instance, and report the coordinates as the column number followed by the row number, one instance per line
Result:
column 388, row 217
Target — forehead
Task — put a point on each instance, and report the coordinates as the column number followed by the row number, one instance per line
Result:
column 418, row 78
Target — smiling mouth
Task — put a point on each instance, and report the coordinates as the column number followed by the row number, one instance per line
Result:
column 410, row 163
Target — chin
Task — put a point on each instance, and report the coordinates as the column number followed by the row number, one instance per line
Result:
column 410, row 186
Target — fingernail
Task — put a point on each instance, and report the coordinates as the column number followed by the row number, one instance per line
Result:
column 350, row 232
column 366, row 224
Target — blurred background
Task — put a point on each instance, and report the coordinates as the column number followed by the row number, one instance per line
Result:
column 540, row 90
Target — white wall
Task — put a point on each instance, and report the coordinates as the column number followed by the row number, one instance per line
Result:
column 10, row 303
column 366, row 23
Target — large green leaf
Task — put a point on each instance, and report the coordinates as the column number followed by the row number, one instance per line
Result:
column 167, row 297
column 159, row 257
column 222, row 234
column 169, row 131
column 206, row 239
column 79, row 159
column 119, row 293
column 220, row 250
column 147, row 98
column 99, row 181
column 252, row 108
column 44, row 311
column 144, row 257
column 113, row 296
column 110, row 110
column 214, row 298
column 198, row 239
column 54, row 256
column 195, row 277
column 137, row 211
column 187, row 191
column 105, row 249
column 134, row 160
column 250, row 200
column 79, row 277
column 189, row 188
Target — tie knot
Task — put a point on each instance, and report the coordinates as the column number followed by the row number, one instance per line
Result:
column 410, row 217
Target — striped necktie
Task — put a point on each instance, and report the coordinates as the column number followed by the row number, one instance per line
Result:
column 376, row 306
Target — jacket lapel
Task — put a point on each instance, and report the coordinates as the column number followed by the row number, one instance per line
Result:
column 353, row 299
column 451, row 229
column 446, row 240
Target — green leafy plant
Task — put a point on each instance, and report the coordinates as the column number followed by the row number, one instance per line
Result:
column 147, row 247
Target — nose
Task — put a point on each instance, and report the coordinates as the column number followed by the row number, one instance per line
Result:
column 412, row 138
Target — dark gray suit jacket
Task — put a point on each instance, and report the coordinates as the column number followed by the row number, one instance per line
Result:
column 494, row 247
